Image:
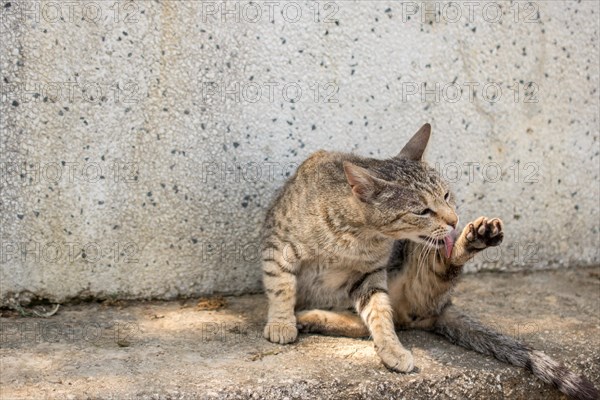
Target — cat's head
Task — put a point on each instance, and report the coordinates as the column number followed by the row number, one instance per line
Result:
column 403, row 197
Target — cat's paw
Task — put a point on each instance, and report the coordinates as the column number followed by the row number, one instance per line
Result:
column 282, row 332
column 397, row 359
column 484, row 232
column 308, row 321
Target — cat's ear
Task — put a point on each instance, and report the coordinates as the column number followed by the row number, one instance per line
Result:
column 364, row 186
column 414, row 149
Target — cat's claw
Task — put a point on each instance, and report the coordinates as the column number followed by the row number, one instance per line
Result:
column 484, row 232
column 281, row 332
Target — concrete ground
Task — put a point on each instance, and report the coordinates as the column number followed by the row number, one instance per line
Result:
column 214, row 348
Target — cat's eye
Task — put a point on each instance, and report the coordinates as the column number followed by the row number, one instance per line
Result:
column 426, row 211
column 447, row 196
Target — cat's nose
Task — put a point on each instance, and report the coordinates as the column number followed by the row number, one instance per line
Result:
column 453, row 221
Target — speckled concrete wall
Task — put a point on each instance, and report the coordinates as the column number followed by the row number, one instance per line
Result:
column 142, row 140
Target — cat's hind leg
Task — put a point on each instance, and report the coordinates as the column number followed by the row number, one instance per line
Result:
column 332, row 323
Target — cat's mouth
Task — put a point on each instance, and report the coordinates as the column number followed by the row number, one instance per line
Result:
column 447, row 242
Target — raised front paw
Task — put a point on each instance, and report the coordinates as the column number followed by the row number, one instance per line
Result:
column 282, row 332
column 397, row 358
column 484, row 232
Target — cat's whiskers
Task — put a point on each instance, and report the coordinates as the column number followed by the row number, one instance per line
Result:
column 421, row 250
column 426, row 265
column 421, row 262
column 420, row 259
column 423, row 265
column 438, row 252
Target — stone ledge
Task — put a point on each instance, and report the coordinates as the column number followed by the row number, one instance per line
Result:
column 174, row 350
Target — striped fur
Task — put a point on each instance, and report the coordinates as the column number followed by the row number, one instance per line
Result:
column 422, row 301
column 354, row 233
column 330, row 232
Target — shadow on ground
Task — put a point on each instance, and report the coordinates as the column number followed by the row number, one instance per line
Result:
column 177, row 350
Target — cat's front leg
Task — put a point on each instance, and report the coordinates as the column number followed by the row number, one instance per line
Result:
column 476, row 236
column 372, row 303
column 280, row 265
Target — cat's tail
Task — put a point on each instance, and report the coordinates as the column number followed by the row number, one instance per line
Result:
column 467, row 332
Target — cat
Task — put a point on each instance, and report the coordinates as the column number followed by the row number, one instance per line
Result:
column 379, row 237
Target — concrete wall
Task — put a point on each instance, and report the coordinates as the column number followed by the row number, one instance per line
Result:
column 142, row 142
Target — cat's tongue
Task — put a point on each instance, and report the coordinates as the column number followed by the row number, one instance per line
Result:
column 448, row 244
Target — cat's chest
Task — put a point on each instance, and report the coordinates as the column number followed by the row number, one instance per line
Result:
column 360, row 257
column 335, row 273
column 326, row 285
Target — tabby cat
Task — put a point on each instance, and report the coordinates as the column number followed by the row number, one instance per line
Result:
column 379, row 236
